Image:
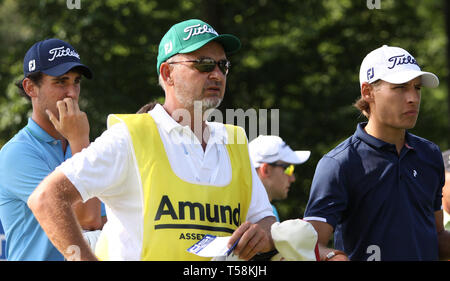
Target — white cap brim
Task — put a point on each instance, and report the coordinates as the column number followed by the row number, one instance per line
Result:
column 428, row 79
column 270, row 149
column 296, row 157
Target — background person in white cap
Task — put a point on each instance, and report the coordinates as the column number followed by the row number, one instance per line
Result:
column 163, row 192
column 446, row 190
column 380, row 190
column 56, row 130
column 274, row 161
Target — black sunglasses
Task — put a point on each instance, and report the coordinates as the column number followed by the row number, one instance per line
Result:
column 208, row 65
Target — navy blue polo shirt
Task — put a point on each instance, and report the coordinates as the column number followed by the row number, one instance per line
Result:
column 380, row 204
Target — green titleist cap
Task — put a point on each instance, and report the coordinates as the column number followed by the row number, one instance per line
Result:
column 190, row 35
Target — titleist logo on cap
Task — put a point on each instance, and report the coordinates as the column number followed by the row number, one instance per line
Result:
column 61, row 52
column 401, row 59
column 198, row 30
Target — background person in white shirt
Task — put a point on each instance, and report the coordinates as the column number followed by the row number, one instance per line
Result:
column 191, row 70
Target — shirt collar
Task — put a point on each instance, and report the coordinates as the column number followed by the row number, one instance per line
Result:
column 365, row 137
column 163, row 119
column 38, row 132
column 410, row 141
column 373, row 141
column 218, row 132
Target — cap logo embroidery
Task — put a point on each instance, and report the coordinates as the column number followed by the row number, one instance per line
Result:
column 168, row 47
column 401, row 59
column 414, row 173
column 198, row 30
column 370, row 73
column 31, row 65
column 61, row 52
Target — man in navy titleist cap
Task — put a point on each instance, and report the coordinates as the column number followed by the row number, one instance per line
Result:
column 380, row 190
column 56, row 130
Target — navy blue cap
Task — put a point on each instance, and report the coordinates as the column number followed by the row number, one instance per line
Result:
column 53, row 57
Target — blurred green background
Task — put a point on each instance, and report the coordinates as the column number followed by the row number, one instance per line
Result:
column 301, row 57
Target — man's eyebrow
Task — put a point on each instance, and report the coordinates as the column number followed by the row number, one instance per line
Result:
column 62, row 77
column 65, row 77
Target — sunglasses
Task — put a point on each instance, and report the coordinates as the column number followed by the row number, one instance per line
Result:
column 208, row 65
column 288, row 168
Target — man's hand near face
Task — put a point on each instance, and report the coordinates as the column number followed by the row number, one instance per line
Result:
column 72, row 124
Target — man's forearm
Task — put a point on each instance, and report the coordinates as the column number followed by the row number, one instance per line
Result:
column 52, row 207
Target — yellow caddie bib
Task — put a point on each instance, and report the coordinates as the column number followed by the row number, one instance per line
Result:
column 178, row 213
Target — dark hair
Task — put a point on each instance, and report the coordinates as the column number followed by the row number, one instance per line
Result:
column 362, row 105
column 36, row 77
column 149, row 106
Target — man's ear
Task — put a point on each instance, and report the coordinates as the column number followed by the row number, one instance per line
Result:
column 29, row 87
column 264, row 170
column 367, row 91
column 166, row 73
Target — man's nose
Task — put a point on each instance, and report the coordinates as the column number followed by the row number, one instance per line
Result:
column 413, row 95
column 73, row 91
column 292, row 178
column 217, row 74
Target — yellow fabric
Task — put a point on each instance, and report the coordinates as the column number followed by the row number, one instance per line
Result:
column 101, row 248
column 178, row 213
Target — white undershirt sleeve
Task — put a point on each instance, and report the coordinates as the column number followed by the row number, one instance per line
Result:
column 259, row 205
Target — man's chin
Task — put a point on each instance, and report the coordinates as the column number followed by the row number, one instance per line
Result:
column 409, row 125
column 210, row 103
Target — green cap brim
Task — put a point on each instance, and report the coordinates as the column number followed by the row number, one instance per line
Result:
column 231, row 44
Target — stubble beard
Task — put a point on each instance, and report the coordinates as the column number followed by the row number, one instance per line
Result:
column 206, row 102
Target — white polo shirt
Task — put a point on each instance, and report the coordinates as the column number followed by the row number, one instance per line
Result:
column 107, row 170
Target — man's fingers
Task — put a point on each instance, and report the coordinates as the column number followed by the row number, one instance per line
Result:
column 248, row 246
column 237, row 234
column 52, row 118
column 76, row 106
column 62, row 109
column 72, row 123
column 251, row 237
column 251, row 248
column 70, row 105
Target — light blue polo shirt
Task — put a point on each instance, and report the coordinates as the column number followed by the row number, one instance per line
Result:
column 25, row 161
column 275, row 212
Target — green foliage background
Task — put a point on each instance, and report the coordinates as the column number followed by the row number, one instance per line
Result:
column 301, row 57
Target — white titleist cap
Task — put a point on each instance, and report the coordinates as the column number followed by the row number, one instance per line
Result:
column 269, row 149
column 394, row 65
